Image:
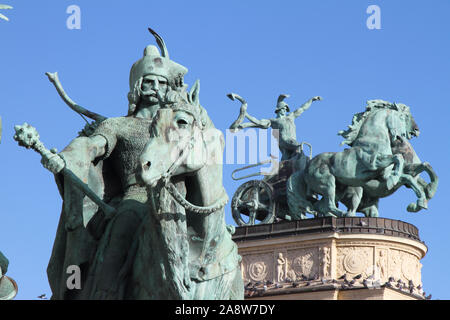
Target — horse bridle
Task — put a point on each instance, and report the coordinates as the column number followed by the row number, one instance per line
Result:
column 173, row 191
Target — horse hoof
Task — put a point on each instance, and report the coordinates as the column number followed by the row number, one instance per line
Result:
column 350, row 214
column 412, row 207
column 422, row 204
column 328, row 214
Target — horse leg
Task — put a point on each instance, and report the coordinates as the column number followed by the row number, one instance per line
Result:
column 415, row 170
column 419, row 185
column 394, row 177
column 371, row 211
column 421, row 203
column 357, row 193
column 327, row 205
column 429, row 188
column 369, row 207
column 295, row 194
column 351, row 198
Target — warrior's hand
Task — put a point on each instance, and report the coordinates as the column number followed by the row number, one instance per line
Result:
column 242, row 114
column 53, row 162
column 316, row 98
column 28, row 137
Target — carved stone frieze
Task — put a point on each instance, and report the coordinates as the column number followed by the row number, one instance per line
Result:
column 304, row 262
column 257, row 267
column 354, row 260
column 309, row 262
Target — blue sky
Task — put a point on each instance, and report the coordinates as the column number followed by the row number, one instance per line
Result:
column 257, row 49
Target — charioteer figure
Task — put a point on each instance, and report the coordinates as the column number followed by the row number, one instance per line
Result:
column 283, row 123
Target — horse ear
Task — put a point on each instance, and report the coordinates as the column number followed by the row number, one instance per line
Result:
column 194, row 94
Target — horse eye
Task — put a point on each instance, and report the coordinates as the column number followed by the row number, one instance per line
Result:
column 182, row 123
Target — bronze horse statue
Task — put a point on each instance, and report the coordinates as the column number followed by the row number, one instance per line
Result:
column 380, row 161
column 184, row 242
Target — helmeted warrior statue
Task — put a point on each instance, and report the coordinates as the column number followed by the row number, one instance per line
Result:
column 107, row 208
column 108, row 159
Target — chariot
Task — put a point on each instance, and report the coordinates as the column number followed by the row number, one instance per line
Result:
column 264, row 201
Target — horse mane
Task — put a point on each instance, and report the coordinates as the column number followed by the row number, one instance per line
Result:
column 358, row 119
column 190, row 103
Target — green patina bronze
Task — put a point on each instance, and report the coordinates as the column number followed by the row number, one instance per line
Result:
column 283, row 123
column 4, row 263
column 3, row 7
column 8, row 287
column 379, row 161
column 143, row 211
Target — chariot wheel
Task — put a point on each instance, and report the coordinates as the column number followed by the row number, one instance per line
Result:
column 253, row 199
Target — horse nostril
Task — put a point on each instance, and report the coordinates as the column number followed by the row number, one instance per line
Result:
column 147, row 165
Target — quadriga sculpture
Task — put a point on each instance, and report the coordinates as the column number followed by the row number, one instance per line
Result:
column 380, row 160
column 181, row 165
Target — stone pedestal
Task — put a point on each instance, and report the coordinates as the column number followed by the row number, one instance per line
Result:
column 329, row 258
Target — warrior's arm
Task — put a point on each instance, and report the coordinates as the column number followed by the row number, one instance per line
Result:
column 263, row 123
column 255, row 123
column 304, row 107
column 95, row 147
column 100, row 144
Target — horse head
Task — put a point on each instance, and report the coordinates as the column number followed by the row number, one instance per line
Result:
column 176, row 147
column 409, row 127
column 177, row 143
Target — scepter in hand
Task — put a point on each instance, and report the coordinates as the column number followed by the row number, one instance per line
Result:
column 28, row 137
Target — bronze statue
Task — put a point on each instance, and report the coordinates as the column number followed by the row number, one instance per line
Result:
column 111, row 220
column 283, row 123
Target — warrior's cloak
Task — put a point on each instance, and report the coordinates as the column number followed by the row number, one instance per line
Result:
column 74, row 245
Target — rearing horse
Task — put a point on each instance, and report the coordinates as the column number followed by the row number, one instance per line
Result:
column 365, row 199
column 372, row 137
column 184, row 243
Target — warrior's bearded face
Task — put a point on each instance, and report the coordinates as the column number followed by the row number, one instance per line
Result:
column 152, row 86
